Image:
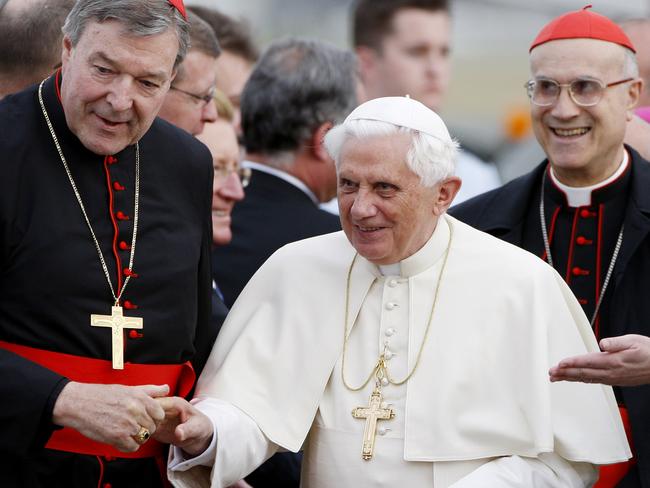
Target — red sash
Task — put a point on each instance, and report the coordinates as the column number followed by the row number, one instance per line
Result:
column 611, row 474
column 179, row 377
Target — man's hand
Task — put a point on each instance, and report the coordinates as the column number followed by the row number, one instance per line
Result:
column 624, row 361
column 184, row 426
column 110, row 413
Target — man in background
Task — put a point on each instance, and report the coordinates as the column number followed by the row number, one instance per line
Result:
column 298, row 90
column 30, row 36
column 237, row 59
column 404, row 48
column 189, row 103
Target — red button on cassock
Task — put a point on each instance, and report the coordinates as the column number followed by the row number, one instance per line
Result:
column 129, row 305
column 583, row 241
column 134, row 334
column 579, row 271
column 128, row 272
column 121, row 215
column 117, row 186
column 584, row 213
column 124, row 246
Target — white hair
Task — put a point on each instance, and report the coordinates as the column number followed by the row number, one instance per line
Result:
column 430, row 158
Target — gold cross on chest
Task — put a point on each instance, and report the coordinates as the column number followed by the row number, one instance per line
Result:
column 372, row 413
column 117, row 322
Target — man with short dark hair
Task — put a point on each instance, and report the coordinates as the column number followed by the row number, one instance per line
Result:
column 30, row 36
column 297, row 91
column 189, row 103
column 105, row 243
column 238, row 57
column 404, row 48
column 585, row 209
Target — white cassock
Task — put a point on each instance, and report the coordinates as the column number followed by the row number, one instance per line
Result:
column 479, row 411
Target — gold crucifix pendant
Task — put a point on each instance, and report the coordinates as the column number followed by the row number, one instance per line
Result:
column 372, row 413
column 117, row 322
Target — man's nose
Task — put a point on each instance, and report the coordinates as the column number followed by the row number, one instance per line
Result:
column 209, row 112
column 232, row 188
column 363, row 205
column 565, row 107
column 120, row 96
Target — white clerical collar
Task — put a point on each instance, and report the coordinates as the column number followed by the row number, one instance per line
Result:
column 581, row 197
column 283, row 175
column 425, row 257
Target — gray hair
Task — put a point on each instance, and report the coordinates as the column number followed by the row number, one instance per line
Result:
column 430, row 158
column 296, row 86
column 140, row 18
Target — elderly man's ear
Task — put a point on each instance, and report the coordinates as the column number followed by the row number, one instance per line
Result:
column 446, row 191
column 316, row 143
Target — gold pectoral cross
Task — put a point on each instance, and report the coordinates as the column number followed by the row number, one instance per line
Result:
column 117, row 322
column 372, row 413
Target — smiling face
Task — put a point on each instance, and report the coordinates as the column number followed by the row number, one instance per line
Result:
column 583, row 144
column 414, row 59
column 227, row 189
column 386, row 213
column 114, row 84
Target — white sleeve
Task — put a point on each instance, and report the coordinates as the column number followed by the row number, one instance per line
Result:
column 237, row 448
column 548, row 470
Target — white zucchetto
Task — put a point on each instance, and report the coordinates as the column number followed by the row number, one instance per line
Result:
column 403, row 112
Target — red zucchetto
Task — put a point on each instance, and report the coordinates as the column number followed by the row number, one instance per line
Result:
column 582, row 24
column 178, row 5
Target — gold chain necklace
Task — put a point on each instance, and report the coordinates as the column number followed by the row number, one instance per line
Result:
column 116, row 321
column 376, row 409
column 380, row 370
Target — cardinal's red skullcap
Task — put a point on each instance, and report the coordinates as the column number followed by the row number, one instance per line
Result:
column 582, row 24
column 178, row 5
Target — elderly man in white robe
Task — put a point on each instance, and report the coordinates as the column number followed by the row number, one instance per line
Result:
column 407, row 350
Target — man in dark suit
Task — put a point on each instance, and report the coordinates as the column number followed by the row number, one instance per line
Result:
column 586, row 210
column 297, row 91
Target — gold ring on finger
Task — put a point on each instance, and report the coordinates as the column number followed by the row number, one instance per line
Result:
column 142, row 436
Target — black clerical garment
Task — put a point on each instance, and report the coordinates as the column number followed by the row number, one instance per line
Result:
column 582, row 243
column 274, row 213
column 51, row 279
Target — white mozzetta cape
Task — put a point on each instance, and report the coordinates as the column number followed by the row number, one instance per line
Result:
column 481, row 390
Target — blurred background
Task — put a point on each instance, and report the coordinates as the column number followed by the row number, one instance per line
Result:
column 486, row 107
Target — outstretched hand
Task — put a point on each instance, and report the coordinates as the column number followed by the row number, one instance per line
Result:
column 184, row 426
column 623, row 361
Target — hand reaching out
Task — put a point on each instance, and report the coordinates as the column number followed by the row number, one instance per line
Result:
column 624, row 361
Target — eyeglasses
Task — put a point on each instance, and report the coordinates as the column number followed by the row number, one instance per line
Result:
column 585, row 92
column 202, row 99
column 244, row 174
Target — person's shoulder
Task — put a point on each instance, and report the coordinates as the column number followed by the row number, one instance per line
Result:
column 489, row 204
column 17, row 110
column 173, row 144
column 319, row 248
column 484, row 250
